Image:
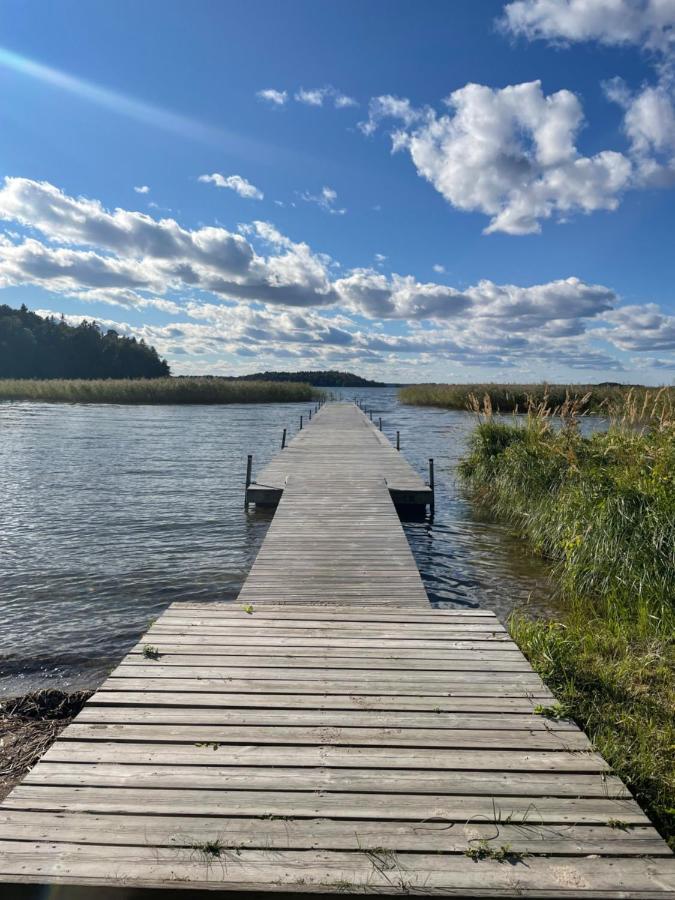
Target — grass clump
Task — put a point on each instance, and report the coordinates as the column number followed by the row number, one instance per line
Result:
column 602, row 508
column 503, row 854
column 597, row 398
column 210, row 849
column 156, row 390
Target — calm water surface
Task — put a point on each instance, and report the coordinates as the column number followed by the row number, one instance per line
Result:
column 109, row 513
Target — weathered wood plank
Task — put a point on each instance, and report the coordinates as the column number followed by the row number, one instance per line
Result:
column 335, row 756
column 318, row 870
column 307, row 834
column 218, row 777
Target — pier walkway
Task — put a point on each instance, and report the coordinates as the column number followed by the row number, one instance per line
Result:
column 329, row 732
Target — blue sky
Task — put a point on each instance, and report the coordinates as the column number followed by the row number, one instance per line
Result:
column 414, row 191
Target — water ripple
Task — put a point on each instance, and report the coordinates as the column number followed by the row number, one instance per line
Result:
column 109, row 513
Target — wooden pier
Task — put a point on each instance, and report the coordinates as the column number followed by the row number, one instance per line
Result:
column 329, row 732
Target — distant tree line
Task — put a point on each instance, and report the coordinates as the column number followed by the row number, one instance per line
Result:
column 35, row 347
column 326, row 378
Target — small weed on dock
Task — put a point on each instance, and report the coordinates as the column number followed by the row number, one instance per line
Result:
column 556, row 711
column 619, row 824
column 210, row 849
column 248, row 609
column 502, row 854
column 150, row 652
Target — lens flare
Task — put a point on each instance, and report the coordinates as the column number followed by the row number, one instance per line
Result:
column 145, row 113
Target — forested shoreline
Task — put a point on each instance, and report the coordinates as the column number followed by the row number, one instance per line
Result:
column 35, row 347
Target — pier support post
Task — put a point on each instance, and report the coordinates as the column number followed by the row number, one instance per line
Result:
column 432, row 502
column 300, row 423
column 310, row 415
column 380, row 423
column 398, row 440
column 249, row 464
column 283, row 439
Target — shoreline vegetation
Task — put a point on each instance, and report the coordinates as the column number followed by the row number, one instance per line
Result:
column 29, row 725
column 183, row 390
column 32, row 346
column 602, row 509
column 505, row 398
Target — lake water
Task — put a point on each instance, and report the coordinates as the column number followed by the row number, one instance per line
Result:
column 109, row 513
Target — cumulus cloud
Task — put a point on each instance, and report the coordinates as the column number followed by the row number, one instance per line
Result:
column 142, row 189
column 234, row 183
column 649, row 112
column 641, row 328
column 647, row 23
column 649, row 124
column 509, row 153
column 152, row 253
column 259, row 291
column 325, row 199
column 438, row 268
column 273, row 97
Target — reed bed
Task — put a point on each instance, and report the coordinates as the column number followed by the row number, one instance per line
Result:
column 157, row 390
column 602, row 509
column 506, row 398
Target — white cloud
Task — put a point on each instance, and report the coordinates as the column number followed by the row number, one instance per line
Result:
column 235, row 183
column 511, row 153
column 649, row 112
column 648, row 23
column 641, row 328
column 207, row 278
column 273, row 97
column 314, row 97
column 317, row 97
column 649, row 123
column 437, row 267
column 326, row 200
column 390, row 107
column 142, row 189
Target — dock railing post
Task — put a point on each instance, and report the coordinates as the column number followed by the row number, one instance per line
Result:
column 300, row 423
column 310, row 415
column 283, row 439
column 371, row 414
column 398, row 440
column 249, row 464
column 432, row 502
column 380, row 423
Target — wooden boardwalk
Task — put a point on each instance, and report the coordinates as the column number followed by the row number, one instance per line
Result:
column 329, row 733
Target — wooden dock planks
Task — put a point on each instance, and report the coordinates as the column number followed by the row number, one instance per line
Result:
column 330, row 733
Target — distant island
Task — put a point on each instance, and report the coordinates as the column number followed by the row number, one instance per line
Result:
column 328, row 378
column 32, row 346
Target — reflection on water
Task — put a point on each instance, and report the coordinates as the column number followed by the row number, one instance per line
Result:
column 110, row 513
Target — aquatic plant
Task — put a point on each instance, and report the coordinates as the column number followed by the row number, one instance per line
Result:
column 200, row 389
column 505, row 398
